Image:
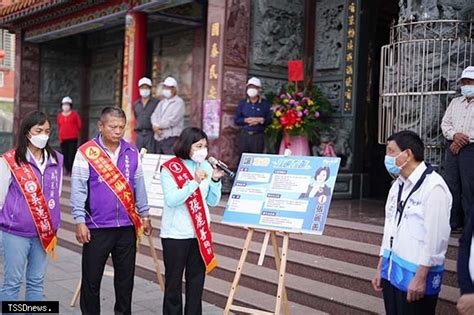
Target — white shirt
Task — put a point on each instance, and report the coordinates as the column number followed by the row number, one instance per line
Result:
column 423, row 233
column 471, row 259
column 459, row 117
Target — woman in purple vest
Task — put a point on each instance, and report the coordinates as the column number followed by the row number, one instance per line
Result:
column 21, row 244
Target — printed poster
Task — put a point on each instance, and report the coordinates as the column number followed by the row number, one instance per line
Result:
column 283, row 193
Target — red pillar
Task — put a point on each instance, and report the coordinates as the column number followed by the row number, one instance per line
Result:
column 134, row 62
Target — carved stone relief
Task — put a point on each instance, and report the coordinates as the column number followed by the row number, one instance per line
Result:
column 340, row 135
column 229, row 140
column 276, row 34
column 58, row 81
column 29, row 80
column 329, row 35
column 100, row 84
column 237, row 33
column 424, row 10
column 333, row 91
column 272, row 85
column 234, row 87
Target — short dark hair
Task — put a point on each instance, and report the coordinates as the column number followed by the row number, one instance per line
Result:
column 30, row 120
column 112, row 111
column 323, row 168
column 186, row 139
column 407, row 139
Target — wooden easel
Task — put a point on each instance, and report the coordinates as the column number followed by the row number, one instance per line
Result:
column 159, row 277
column 280, row 263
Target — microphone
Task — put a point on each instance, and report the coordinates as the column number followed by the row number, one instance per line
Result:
column 216, row 163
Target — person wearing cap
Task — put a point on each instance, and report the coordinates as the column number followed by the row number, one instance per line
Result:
column 168, row 118
column 69, row 126
column 143, row 109
column 253, row 115
column 458, row 129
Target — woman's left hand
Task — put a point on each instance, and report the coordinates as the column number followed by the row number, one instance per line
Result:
column 217, row 173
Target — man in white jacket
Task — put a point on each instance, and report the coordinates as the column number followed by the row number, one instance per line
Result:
column 416, row 230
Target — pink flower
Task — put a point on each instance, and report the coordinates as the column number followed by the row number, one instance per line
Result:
column 300, row 94
column 317, row 114
column 292, row 101
column 282, row 96
column 306, row 112
column 300, row 114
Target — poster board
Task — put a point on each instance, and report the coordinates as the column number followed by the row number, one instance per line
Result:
column 283, row 193
column 151, row 164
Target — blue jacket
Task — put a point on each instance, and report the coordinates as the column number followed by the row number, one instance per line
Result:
column 176, row 221
column 247, row 109
column 464, row 252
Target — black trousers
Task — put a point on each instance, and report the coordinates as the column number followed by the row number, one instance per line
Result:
column 165, row 146
column 251, row 143
column 396, row 302
column 121, row 243
column 180, row 255
column 68, row 149
column 145, row 139
column 459, row 175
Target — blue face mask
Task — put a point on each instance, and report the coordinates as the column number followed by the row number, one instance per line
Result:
column 391, row 164
column 467, row 90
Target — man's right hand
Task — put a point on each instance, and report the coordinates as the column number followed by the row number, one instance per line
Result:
column 454, row 148
column 461, row 139
column 83, row 235
column 376, row 281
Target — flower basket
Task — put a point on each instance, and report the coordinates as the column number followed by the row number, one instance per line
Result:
column 298, row 118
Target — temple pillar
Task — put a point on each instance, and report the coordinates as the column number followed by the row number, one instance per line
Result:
column 134, row 63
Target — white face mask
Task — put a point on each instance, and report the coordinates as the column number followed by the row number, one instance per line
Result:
column 467, row 90
column 252, row 92
column 144, row 92
column 39, row 141
column 66, row 108
column 199, row 156
column 167, row 93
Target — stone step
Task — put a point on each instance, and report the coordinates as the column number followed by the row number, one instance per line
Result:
column 215, row 289
column 324, row 246
column 312, row 268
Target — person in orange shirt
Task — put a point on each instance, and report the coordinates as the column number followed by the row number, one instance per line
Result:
column 69, row 126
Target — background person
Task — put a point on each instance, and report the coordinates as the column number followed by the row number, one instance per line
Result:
column 458, row 129
column 143, row 109
column 168, row 117
column 69, row 127
column 253, row 115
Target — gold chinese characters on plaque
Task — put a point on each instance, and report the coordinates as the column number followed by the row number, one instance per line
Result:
column 350, row 55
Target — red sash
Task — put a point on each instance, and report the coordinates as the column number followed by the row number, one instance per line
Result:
column 31, row 189
column 103, row 165
column 195, row 205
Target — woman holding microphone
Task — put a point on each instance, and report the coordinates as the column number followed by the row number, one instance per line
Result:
column 190, row 185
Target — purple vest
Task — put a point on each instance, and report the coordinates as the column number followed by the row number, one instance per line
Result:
column 15, row 217
column 103, row 207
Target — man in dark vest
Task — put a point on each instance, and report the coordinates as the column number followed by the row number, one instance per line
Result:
column 143, row 108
